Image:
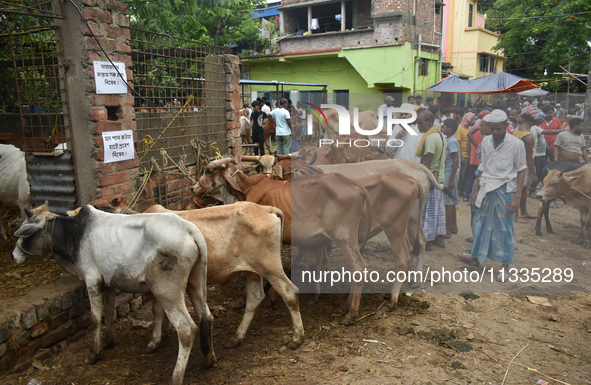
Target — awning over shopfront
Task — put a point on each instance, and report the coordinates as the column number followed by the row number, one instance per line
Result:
column 501, row 82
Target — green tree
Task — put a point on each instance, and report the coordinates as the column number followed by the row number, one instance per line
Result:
column 219, row 22
column 542, row 34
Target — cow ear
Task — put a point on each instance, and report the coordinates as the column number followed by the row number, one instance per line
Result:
column 278, row 171
column 115, row 201
column 571, row 178
column 29, row 213
column 27, row 229
column 233, row 188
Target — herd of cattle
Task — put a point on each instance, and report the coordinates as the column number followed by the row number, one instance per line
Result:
column 170, row 253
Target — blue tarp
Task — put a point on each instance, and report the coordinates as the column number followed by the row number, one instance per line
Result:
column 501, row 82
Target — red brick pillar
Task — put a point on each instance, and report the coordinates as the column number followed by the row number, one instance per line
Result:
column 232, row 72
column 108, row 21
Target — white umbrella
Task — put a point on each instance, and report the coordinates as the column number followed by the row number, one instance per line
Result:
column 533, row 92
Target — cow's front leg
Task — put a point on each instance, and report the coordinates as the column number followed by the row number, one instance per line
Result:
column 96, row 311
column 357, row 263
column 109, row 300
column 583, row 238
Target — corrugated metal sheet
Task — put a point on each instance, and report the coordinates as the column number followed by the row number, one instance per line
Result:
column 52, row 179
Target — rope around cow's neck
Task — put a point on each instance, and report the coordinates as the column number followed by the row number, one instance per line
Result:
column 45, row 240
column 579, row 191
column 215, row 188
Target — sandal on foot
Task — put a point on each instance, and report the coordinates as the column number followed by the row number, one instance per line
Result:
column 464, row 258
column 502, row 277
column 468, row 239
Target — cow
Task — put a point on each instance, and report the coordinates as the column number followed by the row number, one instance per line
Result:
column 317, row 207
column 416, row 170
column 393, row 196
column 251, row 244
column 269, row 128
column 161, row 254
column 245, row 130
column 544, row 207
column 14, row 187
column 575, row 188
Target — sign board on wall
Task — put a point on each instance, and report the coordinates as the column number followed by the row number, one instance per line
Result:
column 107, row 80
column 118, row 146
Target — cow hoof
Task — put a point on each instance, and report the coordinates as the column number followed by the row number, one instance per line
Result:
column 414, row 285
column 149, row 349
column 92, row 358
column 550, row 231
column 348, row 320
column 232, row 343
column 110, row 344
column 293, row 345
column 210, row 362
column 539, row 233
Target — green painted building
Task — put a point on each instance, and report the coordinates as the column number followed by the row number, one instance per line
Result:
column 377, row 48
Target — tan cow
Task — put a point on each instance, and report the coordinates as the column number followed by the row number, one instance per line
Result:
column 321, row 210
column 393, row 196
column 416, row 170
column 243, row 237
column 245, row 130
column 575, row 188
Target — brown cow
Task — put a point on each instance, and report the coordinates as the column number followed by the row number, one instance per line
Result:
column 416, row 170
column 393, row 196
column 575, row 188
column 269, row 127
column 324, row 208
column 251, row 243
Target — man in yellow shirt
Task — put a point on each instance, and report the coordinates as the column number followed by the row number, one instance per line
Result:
column 462, row 137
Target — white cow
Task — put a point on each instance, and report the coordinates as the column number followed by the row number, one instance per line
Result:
column 160, row 254
column 14, row 187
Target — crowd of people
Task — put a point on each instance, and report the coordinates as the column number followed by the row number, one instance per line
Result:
column 491, row 158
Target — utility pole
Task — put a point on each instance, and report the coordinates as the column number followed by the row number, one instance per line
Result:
column 567, row 88
column 588, row 96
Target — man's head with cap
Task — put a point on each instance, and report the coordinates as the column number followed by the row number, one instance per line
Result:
column 389, row 100
column 406, row 107
column 497, row 122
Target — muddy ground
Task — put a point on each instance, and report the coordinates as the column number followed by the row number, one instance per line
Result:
column 497, row 335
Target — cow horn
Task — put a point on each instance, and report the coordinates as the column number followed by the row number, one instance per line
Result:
column 311, row 161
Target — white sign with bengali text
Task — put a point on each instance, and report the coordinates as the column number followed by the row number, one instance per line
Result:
column 107, row 80
column 118, row 146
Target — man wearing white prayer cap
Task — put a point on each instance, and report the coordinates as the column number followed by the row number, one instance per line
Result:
column 497, row 196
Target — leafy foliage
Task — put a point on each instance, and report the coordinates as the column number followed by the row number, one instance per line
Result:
column 219, row 22
column 542, row 34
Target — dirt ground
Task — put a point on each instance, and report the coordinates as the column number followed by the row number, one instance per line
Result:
column 497, row 335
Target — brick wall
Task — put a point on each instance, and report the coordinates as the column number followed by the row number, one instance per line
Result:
column 36, row 324
column 390, row 23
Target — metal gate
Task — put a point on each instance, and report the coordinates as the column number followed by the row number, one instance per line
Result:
column 35, row 109
column 180, row 105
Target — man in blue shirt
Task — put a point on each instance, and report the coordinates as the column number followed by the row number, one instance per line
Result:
column 283, row 128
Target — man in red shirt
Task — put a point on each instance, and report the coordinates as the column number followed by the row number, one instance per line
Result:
column 550, row 123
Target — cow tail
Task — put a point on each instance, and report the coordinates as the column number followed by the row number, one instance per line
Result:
column 204, row 327
column 417, row 243
column 435, row 183
column 367, row 202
